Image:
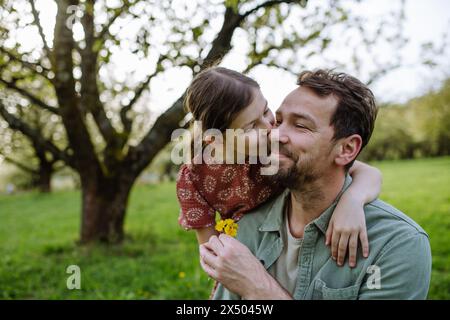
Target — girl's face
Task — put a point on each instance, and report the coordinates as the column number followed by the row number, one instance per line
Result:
column 256, row 115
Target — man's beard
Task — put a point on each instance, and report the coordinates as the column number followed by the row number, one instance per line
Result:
column 298, row 175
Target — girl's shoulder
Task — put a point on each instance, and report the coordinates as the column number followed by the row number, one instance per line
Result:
column 225, row 172
column 215, row 169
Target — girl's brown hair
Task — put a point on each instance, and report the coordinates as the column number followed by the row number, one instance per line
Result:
column 217, row 95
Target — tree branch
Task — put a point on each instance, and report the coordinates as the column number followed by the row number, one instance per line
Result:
column 20, row 165
column 117, row 13
column 105, row 31
column 158, row 136
column 266, row 4
column 34, row 135
column 374, row 76
column 41, row 31
column 127, row 123
column 32, row 98
column 279, row 66
column 89, row 88
column 37, row 68
column 222, row 43
column 259, row 58
column 86, row 160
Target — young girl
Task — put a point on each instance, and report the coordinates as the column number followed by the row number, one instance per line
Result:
column 221, row 98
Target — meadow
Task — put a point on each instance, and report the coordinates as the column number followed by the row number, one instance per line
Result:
column 158, row 260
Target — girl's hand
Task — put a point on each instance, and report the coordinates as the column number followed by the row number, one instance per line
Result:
column 347, row 225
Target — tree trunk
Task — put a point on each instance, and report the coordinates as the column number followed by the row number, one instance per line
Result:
column 43, row 177
column 104, row 205
column 45, row 170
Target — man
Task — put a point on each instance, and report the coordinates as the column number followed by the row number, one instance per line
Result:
column 280, row 251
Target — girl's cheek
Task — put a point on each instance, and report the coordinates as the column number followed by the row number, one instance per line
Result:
column 251, row 144
column 260, row 137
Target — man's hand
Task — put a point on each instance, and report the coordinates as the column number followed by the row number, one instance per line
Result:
column 231, row 263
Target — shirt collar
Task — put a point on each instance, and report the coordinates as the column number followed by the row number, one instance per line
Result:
column 274, row 219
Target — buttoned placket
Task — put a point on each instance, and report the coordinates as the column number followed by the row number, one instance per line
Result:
column 305, row 260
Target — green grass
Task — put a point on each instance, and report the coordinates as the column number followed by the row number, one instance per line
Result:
column 421, row 189
column 38, row 234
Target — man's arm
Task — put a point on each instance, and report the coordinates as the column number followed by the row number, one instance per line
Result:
column 232, row 264
column 403, row 270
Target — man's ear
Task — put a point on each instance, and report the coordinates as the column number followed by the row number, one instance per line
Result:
column 348, row 149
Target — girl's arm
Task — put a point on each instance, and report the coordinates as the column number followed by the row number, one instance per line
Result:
column 348, row 223
column 366, row 183
column 190, row 198
column 203, row 234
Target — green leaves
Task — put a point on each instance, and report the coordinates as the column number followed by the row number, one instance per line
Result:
column 197, row 32
column 234, row 4
column 97, row 45
column 303, row 3
column 89, row 7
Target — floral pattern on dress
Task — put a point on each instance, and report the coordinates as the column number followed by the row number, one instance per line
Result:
column 184, row 193
column 209, row 184
column 194, row 214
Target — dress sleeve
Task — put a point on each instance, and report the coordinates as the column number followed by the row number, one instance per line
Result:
column 261, row 188
column 195, row 212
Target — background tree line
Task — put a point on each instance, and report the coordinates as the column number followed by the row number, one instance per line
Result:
column 416, row 129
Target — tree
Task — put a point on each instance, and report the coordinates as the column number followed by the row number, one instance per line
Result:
column 432, row 125
column 99, row 114
column 418, row 128
column 27, row 154
column 29, row 158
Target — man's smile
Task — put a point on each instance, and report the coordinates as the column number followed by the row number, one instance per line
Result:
column 281, row 156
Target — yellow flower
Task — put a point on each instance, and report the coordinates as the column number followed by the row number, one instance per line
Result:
column 220, row 225
column 229, row 221
column 231, row 230
column 227, row 226
column 181, row 275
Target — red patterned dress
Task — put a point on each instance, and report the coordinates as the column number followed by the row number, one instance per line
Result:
column 230, row 189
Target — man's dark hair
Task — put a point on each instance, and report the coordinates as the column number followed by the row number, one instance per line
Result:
column 356, row 110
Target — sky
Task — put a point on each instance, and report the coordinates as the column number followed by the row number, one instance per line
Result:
column 425, row 21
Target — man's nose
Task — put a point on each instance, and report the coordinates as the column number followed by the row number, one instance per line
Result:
column 280, row 136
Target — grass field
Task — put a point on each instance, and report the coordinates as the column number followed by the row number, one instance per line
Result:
column 158, row 260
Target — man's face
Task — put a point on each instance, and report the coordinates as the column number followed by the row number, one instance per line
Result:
column 306, row 137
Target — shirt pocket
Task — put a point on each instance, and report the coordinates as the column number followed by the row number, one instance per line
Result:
column 323, row 292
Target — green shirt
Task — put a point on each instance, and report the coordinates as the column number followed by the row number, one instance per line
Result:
column 398, row 266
